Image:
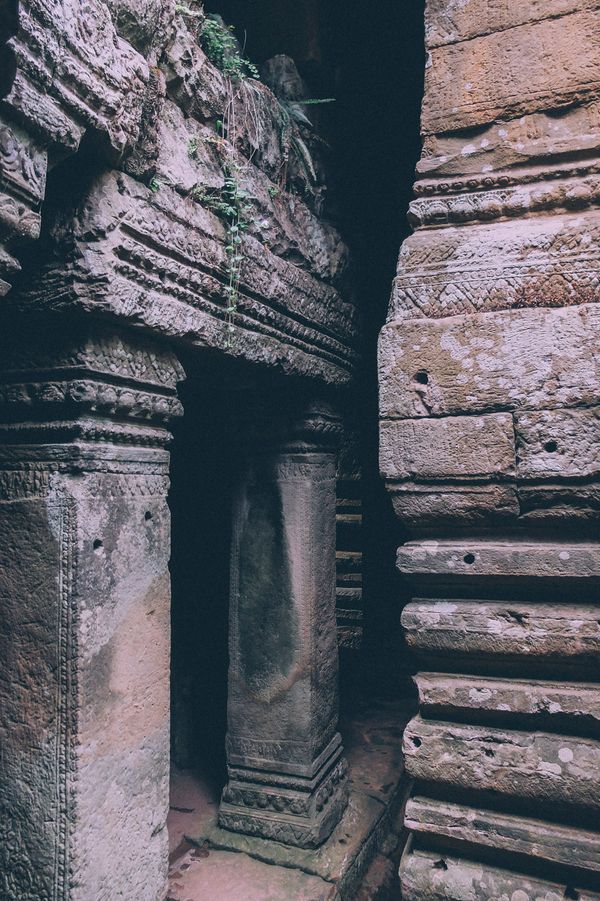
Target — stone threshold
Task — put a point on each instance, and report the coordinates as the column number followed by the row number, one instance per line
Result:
column 212, row 864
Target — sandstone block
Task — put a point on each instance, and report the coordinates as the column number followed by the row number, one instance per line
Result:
column 558, row 443
column 449, row 696
column 546, row 64
column 537, row 261
column 452, row 447
column 423, row 505
column 538, row 766
column 501, row 559
column 496, row 630
column 479, row 363
column 448, row 878
column 504, row 832
column 449, row 21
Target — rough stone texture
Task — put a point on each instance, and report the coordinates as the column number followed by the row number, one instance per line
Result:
column 489, row 388
column 222, row 875
column 443, row 877
column 287, row 776
column 575, row 706
column 116, row 105
column 69, row 72
column 85, row 614
column 148, row 247
column 543, row 64
column 543, row 635
column 562, row 770
column 551, row 843
column 151, row 258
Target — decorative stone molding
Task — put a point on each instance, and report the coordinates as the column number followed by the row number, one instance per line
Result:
column 153, row 258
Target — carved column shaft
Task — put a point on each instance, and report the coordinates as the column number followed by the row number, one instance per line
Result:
column 84, row 613
column 286, row 770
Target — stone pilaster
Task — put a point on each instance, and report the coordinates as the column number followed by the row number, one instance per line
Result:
column 287, row 775
column 84, row 612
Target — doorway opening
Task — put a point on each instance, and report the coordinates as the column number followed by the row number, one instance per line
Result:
column 372, row 64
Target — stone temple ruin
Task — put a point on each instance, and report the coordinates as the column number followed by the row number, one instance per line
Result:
column 193, row 523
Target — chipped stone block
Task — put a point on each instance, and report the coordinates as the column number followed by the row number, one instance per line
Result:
column 521, row 559
column 75, row 72
column 449, row 21
column 539, row 261
column 422, row 505
column 150, row 258
column 497, row 630
column 442, row 877
column 452, row 447
column 539, row 766
column 511, row 153
column 450, row 696
column 473, row 364
column 546, row 64
column 189, row 161
column 505, row 832
column 558, row 443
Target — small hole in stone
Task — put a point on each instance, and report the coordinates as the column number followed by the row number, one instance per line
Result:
column 417, row 742
column 422, row 378
column 97, row 544
column 440, row 865
column 488, row 752
column 551, row 447
column 469, row 558
column 147, row 515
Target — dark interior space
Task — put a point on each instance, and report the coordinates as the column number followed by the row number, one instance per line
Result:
column 372, row 64
column 202, row 469
column 365, row 62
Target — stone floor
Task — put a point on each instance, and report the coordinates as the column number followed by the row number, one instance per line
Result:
column 359, row 861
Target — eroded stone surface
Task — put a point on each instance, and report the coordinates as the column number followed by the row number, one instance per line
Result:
column 494, row 313
column 85, row 611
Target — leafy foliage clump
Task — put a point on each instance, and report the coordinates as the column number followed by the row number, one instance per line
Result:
column 231, row 204
column 222, row 49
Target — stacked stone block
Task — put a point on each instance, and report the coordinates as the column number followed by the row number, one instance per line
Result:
column 490, row 390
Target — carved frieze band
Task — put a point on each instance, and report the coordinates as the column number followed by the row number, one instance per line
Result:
column 109, row 390
column 506, row 196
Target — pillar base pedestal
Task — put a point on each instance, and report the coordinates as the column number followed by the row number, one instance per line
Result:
column 299, row 810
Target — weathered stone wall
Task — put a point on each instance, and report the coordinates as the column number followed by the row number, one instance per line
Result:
column 489, row 423
column 112, row 116
column 84, row 614
column 144, row 243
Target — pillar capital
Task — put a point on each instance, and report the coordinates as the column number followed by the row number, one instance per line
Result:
column 65, row 383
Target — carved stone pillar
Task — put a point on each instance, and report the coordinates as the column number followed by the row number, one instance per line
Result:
column 84, row 612
column 287, row 776
column 490, row 386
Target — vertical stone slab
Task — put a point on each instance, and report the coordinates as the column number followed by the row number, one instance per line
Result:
column 84, row 613
column 286, row 769
column 489, row 385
